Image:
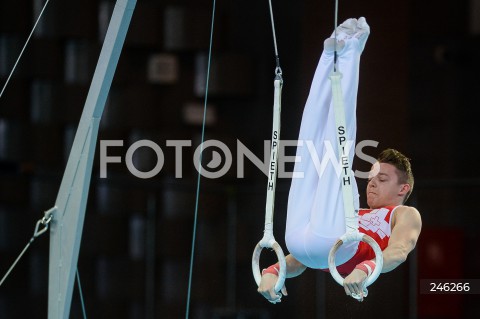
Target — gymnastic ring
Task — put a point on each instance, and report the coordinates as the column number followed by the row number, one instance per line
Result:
column 349, row 237
column 281, row 260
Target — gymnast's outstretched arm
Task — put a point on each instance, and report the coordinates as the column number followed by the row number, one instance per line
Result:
column 404, row 236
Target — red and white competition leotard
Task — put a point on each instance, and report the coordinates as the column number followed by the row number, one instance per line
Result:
column 375, row 223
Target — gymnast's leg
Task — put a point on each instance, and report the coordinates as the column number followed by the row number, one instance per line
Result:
column 315, row 216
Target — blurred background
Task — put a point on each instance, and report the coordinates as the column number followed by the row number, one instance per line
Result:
column 419, row 75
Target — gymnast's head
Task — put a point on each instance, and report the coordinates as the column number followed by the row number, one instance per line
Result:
column 390, row 181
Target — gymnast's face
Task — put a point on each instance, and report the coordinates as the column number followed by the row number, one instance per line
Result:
column 384, row 188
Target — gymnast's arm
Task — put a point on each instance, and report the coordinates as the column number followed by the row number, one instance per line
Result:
column 403, row 238
column 294, row 267
column 267, row 284
column 402, row 241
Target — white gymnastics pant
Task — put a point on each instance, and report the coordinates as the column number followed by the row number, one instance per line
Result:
column 315, row 215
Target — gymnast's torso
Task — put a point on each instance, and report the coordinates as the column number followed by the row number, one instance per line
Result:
column 376, row 223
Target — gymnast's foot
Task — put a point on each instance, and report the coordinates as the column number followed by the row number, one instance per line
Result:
column 362, row 32
column 350, row 28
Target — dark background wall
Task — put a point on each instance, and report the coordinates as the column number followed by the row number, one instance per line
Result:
column 417, row 93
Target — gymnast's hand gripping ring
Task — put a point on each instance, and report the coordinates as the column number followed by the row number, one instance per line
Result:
column 268, row 241
column 356, row 236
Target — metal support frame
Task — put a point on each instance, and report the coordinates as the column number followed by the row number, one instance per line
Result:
column 69, row 211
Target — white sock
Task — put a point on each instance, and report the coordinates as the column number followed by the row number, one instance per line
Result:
column 362, row 32
column 350, row 28
column 345, row 30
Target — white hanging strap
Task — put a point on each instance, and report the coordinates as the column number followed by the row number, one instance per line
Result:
column 272, row 173
column 268, row 240
column 351, row 215
column 346, row 178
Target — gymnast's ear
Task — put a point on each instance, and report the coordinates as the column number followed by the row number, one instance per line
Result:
column 404, row 189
